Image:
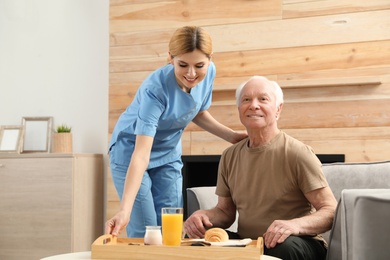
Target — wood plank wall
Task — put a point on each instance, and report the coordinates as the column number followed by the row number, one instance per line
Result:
column 331, row 57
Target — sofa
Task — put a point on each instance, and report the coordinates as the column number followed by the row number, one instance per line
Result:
column 358, row 187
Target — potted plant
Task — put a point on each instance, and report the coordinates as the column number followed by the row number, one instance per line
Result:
column 63, row 142
column 64, row 129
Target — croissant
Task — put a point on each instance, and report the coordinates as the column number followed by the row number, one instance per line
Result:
column 216, row 235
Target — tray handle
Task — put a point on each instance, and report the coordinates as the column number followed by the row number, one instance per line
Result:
column 260, row 245
column 106, row 240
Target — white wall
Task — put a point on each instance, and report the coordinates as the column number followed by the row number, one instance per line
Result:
column 54, row 62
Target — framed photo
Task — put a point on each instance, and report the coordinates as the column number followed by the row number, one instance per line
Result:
column 37, row 134
column 11, row 139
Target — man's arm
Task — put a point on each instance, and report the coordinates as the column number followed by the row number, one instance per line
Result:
column 222, row 215
column 320, row 221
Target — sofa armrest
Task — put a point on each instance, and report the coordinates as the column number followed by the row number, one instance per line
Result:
column 204, row 198
column 200, row 198
column 371, row 229
column 340, row 241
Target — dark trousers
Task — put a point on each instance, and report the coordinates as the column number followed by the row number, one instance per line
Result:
column 295, row 248
column 298, row 248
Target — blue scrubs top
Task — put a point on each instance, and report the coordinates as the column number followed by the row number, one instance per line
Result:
column 160, row 109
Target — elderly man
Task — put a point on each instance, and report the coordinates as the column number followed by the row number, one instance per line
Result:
column 273, row 180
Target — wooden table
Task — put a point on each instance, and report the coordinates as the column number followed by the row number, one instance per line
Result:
column 87, row 256
column 71, row 256
column 108, row 247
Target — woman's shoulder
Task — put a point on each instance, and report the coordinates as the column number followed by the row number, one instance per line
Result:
column 159, row 78
column 212, row 65
column 212, row 68
column 161, row 74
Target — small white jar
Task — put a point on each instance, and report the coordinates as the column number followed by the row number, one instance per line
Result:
column 153, row 235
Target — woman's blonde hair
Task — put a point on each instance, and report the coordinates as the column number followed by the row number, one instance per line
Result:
column 188, row 39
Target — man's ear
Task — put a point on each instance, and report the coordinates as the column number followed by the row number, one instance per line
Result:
column 279, row 111
column 280, row 108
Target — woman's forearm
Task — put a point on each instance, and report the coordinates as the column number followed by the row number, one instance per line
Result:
column 206, row 121
column 137, row 167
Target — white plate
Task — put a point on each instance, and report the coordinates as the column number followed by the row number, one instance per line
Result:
column 232, row 242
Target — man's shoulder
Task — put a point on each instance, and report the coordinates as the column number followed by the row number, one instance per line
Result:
column 235, row 148
column 292, row 140
column 298, row 148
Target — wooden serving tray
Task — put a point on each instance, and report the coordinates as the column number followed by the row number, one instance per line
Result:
column 108, row 247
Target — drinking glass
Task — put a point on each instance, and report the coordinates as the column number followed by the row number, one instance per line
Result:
column 172, row 226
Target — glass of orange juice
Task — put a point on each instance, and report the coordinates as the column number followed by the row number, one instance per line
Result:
column 172, row 226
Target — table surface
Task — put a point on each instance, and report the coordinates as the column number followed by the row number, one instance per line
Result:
column 87, row 256
column 71, row 256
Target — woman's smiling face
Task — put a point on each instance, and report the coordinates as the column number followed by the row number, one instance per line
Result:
column 190, row 68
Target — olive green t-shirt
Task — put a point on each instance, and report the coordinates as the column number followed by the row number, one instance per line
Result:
column 269, row 183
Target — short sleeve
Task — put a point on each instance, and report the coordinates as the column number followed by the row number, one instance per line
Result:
column 309, row 169
column 149, row 113
column 222, row 188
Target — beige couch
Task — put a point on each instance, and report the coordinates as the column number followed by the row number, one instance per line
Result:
column 350, row 182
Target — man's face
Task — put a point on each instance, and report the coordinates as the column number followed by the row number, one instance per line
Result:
column 190, row 68
column 257, row 105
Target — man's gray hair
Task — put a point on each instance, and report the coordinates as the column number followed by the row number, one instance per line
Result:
column 277, row 89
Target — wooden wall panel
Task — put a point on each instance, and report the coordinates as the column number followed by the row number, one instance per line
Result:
column 298, row 8
column 171, row 14
column 342, row 28
column 331, row 57
column 308, row 31
column 303, row 59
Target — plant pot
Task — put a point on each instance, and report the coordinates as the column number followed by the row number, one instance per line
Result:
column 62, row 143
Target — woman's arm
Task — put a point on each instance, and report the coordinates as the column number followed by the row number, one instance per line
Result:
column 138, row 164
column 206, row 121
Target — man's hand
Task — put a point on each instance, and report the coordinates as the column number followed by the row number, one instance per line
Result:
column 279, row 231
column 195, row 226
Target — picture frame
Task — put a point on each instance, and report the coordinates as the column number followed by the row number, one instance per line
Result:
column 37, row 134
column 11, row 138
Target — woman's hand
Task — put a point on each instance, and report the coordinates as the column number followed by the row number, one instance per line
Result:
column 238, row 137
column 116, row 224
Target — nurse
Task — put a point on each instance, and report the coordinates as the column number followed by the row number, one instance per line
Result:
column 145, row 148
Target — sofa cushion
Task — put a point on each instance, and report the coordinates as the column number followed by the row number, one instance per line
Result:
column 370, row 175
